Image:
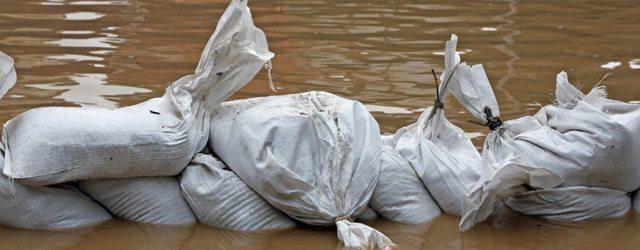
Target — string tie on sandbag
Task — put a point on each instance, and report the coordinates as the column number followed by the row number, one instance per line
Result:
column 492, row 122
column 342, row 217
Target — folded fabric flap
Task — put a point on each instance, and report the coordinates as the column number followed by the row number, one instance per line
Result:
column 497, row 184
column 358, row 235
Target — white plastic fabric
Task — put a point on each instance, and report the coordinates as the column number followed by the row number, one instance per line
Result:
column 577, row 203
column 154, row 138
column 400, row 195
column 7, row 73
column 441, row 153
column 582, row 140
column 314, row 156
column 57, row 207
column 219, row 198
column 369, row 214
column 151, row 200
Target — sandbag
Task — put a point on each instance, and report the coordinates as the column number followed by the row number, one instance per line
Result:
column 315, row 156
column 7, row 73
column 154, row 138
column 576, row 203
column 151, row 200
column 441, row 153
column 219, row 198
column 399, row 194
column 57, row 207
column 582, row 140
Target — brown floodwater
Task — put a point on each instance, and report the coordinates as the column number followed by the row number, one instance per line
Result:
column 121, row 52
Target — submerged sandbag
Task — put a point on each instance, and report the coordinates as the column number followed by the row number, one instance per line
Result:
column 399, row 194
column 584, row 140
column 154, row 138
column 57, row 207
column 314, row 156
column 152, row 200
column 219, row 198
column 575, row 203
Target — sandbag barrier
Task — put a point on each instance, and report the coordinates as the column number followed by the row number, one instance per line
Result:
column 269, row 163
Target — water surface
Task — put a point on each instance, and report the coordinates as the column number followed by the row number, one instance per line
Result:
column 116, row 53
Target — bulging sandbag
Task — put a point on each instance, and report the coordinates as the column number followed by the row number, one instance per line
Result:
column 219, row 198
column 315, row 156
column 151, row 200
column 57, row 207
column 399, row 194
column 576, row 203
column 446, row 160
column 581, row 140
column 154, row 138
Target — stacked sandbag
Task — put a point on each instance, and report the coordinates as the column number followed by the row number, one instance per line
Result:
column 152, row 200
column 315, row 156
column 219, row 198
column 581, row 140
column 57, row 207
column 155, row 138
column 442, row 155
column 399, row 194
column 576, row 203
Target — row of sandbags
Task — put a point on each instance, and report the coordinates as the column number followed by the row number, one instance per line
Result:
column 128, row 159
column 312, row 157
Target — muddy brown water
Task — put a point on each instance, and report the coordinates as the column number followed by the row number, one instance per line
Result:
column 121, row 52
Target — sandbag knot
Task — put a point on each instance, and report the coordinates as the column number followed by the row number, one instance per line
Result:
column 493, row 122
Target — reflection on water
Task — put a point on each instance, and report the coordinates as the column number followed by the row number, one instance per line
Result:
column 90, row 90
column 117, row 53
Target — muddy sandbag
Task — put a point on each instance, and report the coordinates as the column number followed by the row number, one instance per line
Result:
column 57, row 207
column 219, row 198
column 576, row 203
column 152, row 200
column 154, row 138
column 584, row 140
column 315, row 156
column 399, row 194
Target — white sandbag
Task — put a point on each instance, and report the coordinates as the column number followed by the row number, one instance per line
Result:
column 152, row 200
column 57, row 207
column 219, row 198
column 369, row 214
column 314, row 156
column 7, row 73
column 577, row 203
column 154, row 138
column 582, row 140
column 399, row 194
column 441, row 154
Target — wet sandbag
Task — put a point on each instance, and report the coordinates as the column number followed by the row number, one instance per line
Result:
column 585, row 140
column 56, row 207
column 400, row 195
column 152, row 200
column 154, row 138
column 315, row 156
column 576, row 203
column 219, row 198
